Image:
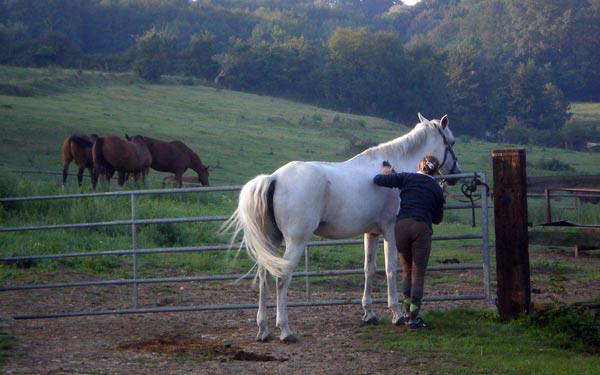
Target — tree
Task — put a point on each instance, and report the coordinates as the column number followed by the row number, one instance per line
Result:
column 153, row 51
column 535, row 101
column 285, row 69
column 426, row 88
column 475, row 92
column 366, row 72
column 52, row 48
column 197, row 59
column 10, row 37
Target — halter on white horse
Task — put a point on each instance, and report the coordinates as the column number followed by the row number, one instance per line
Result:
column 332, row 200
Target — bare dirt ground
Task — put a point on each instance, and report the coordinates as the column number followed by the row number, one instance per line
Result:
column 221, row 342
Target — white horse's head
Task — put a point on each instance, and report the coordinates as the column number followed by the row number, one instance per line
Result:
column 442, row 145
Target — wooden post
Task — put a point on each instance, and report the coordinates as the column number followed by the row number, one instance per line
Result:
column 512, row 245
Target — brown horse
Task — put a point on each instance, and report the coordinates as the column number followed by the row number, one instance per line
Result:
column 78, row 148
column 175, row 157
column 125, row 156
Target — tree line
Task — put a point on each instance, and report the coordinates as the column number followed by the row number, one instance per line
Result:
column 506, row 70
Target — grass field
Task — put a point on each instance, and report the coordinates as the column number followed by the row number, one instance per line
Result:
column 586, row 114
column 239, row 135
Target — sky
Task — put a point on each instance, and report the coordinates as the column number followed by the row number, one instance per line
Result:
column 410, row 2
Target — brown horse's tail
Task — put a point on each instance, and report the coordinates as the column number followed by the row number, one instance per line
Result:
column 66, row 152
column 70, row 149
column 74, row 141
column 81, row 141
column 100, row 163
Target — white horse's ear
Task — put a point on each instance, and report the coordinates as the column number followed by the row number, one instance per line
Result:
column 444, row 121
column 421, row 118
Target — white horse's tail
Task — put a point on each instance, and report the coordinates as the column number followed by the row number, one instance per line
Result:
column 254, row 216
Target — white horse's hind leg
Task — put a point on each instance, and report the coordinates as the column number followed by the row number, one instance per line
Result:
column 391, row 271
column 282, row 316
column 370, row 241
column 261, row 316
column 292, row 253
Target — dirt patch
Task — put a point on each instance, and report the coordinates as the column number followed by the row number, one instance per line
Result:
column 176, row 344
column 197, row 343
column 331, row 338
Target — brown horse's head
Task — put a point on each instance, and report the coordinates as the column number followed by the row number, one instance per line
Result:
column 203, row 174
column 198, row 167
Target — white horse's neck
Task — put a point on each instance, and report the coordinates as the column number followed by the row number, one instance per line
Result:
column 404, row 152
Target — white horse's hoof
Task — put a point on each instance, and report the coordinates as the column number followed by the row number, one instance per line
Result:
column 264, row 337
column 369, row 318
column 400, row 321
column 291, row 339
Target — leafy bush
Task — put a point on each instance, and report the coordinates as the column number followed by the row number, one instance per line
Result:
column 166, row 234
column 553, row 165
column 514, row 132
column 547, row 138
column 570, row 327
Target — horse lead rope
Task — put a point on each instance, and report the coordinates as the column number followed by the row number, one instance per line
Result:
column 468, row 189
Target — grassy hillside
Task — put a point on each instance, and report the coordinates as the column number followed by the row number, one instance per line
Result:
column 586, row 114
column 239, row 135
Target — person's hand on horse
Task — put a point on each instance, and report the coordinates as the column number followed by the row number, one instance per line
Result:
column 387, row 168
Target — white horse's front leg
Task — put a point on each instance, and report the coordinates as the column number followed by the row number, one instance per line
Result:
column 370, row 241
column 391, row 271
column 261, row 315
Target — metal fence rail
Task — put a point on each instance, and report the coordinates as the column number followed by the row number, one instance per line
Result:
column 134, row 251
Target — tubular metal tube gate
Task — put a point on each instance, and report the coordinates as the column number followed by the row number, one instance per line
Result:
column 134, row 252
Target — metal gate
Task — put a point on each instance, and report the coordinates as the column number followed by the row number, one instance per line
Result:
column 134, row 252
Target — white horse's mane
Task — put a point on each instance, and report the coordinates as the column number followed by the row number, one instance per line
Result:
column 404, row 145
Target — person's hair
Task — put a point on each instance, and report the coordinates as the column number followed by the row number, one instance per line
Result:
column 429, row 165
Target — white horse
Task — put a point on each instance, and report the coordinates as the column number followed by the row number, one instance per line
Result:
column 333, row 200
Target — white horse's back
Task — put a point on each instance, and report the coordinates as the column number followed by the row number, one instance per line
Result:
column 332, row 200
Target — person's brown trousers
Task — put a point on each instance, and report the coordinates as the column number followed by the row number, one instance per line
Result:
column 413, row 241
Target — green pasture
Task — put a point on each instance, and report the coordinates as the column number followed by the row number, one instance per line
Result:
column 586, row 114
column 240, row 135
column 467, row 341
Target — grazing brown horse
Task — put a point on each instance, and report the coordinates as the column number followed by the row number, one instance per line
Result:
column 175, row 157
column 125, row 156
column 78, row 148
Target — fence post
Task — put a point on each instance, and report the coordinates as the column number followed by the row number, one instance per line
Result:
column 512, row 245
column 134, row 250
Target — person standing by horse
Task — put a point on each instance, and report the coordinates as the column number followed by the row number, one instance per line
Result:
column 421, row 204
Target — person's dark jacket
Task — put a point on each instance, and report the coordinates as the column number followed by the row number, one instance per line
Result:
column 421, row 196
